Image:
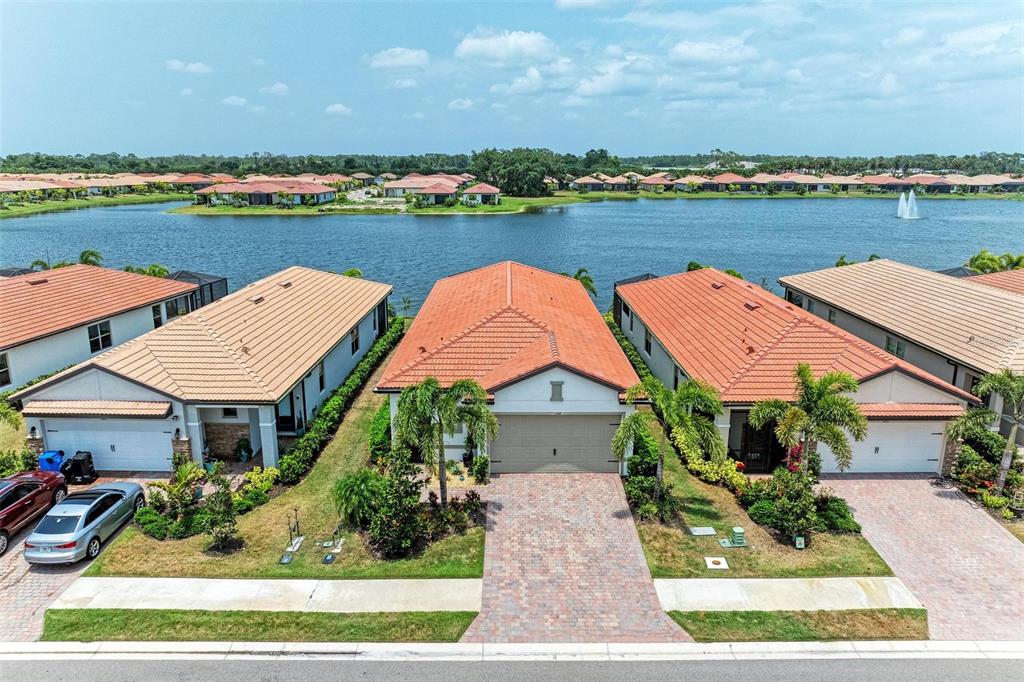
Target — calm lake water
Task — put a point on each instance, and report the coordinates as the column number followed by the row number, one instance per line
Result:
column 614, row 240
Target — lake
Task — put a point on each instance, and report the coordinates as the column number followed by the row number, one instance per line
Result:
column 763, row 239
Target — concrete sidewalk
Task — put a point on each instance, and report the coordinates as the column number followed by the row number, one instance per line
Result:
column 331, row 596
column 783, row 594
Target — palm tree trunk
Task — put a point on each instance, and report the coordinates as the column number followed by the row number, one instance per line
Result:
column 442, row 472
column 1004, row 465
column 660, row 471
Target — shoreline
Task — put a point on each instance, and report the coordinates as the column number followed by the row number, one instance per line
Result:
column 54, row 205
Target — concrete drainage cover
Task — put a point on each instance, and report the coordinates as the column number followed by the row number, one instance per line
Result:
column 702, row 530
column 716, row 563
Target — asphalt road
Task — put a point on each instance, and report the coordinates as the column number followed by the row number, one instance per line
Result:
column 313, row 670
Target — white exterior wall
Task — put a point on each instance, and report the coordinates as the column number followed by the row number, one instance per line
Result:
column 897, row 387
column 658, row 360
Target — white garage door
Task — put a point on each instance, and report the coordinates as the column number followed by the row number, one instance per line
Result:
column 893, row 447
column 555, row 444
column 115, row 444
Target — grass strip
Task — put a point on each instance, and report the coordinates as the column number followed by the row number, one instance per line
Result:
column 803, row 626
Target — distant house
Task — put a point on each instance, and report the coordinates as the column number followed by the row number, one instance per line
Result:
column 195, row 181
column 362, row 178
column 481, row 193
column 698, row 182
column 384, row 177
column 726, row 179
column 651, row 184
column 55, row 318
column 437, row 193
column 550, row 182
column 887, row 183
column 846, row 182
column 256, row 364
column 268, row 192
column 619, row 183
column 589, row 183
column 413, row 184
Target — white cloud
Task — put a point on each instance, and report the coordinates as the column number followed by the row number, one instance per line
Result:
column 505, row 47
column 725, row 51
column 905, row 36
column 337, row 109
column 460, row 104
column 571, row 116
column 634, row 75
column 888, row 85
column 258, row 61
column 984, row 39
column 188, row 67
column 256, row 108
column 574, row 101
column 234, row 101
column 404, row 83
column 277, row 88
column 635, row 112
column 415, row 116
column 185, row 92
column 576, row 4
column 531, row 82
column 399, row 58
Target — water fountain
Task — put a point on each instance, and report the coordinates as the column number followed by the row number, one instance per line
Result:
column 907, row 209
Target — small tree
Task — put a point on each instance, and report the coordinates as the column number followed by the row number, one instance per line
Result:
column 584, row 278
column 181, row 489
column 353, row 272
column 221, row 522
column 396, row 527
column 406, row 306
column 90, row 257
column 834, row 188
column 1009, row 386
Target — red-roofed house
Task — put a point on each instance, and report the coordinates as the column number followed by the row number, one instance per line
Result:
column 725, row 179
column 266, row 192
column 746, row 342
column 537, row 344
column 481, row 193
column 591, row 183
column 438, row 193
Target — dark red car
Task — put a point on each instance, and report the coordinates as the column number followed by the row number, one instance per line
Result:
column 25, row 497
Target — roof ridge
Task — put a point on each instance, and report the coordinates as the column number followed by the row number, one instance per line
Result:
column 553, row 345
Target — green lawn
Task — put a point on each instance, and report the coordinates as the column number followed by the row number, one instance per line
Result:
column 30, row 208
column 10, row 438
column 265, row 530
column 507, row 205
column 673, row 553
column 803, row 626
column 90, row 625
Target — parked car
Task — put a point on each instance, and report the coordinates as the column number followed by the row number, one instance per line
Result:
column 25, row 497
column 77, row 527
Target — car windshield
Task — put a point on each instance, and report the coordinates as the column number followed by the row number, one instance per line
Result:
column 57, row 525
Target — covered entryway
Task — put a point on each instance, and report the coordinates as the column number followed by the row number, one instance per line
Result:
column 555, row 444
column 115, row 444
column 894, row 447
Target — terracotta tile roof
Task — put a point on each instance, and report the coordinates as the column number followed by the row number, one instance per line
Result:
column 504, row 322
column 438, row 188
column 884, row 180
column 588, row 180
column 482, row 188
column 746, row 341
column 699, row 179
column 286, row 186
column 730, row 178
column 251, row 346
column 97, row 408
column 911, row 410
column 1008, row 280
column 664, row 182
column 51, row 301
column 362, row 176
column 980, row 326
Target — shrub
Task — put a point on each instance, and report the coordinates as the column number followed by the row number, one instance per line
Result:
column 380, row 432
column 220, row 521
column 795, row 503
column 994, row 501
column 472, row 504
column 243, row 449
column 1008, row 514
column 988, row 444
column 972, row 470
column 255, row 491
column 754, row 492
column 647, row 511
column 452, row 467
column 644, row 461
column 639, row 490
column 192, row 524
column 304, row 451
column 355, row 496
column 396, row 527
column 481, row 469
column 764, row 513
column 16, row 461
column 834, row 514
column 639, row 366
column 152, row 523
column 709, row 471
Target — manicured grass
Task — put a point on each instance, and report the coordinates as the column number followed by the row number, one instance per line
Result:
column 153, row 625
column 803, row 626
column 1016, row 529
column 10, row 438
column 328, row 209
column 265, row 530
column 507, row 205
column 29, row 208
column 673, row 553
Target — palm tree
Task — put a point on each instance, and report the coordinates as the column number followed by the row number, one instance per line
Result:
column 353, row 272
column 985, row 262
column 686, row 413
column 584, row 278
column 9, row 415
column 427, row 411
column 1009, row 386
column 153, row 270
column 90, row 257
column 42, row 264
column 821, row 412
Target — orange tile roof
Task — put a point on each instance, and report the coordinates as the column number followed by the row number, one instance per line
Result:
column 730, row 178
column 911, row 410
column 97, row 408
column 253, row 345
column 483, row 188
column 746, row 341
column 1008, row 280
column 51, row 301
column 504, row 322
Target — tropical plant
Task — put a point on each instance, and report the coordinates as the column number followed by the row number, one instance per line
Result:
column 406, row 306
column 9, row 415
column 181, row 489
column 396, row 527
column 42, row 264
column 220, row 521
column 427, row 411
column 90, row 257
column 584, row 278
column 985, row 261
column 821, row 412
column 353, row 272
column 355, row 496
column 686, row 412
column 1009, row 386
column 153, row 270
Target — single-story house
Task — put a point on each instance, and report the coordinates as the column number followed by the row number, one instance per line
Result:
column 554, row 374
column 481, row 193
column 362, row 178
column 1007, row 280
column 619, row 183
column 652, row 184
column 195, row 181
column 438, row 193
column 589, row 183
column 689, row 183
column 725, row 180
column 268, row 192
column 746, row 342
column 887, row 183
column 413, row 184
column 955, row 328
column 56, row 318
column 256, row 365
column 845, row 182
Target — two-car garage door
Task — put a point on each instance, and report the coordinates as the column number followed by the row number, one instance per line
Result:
column 893, row 447
column 115, row 444
column 554, row 444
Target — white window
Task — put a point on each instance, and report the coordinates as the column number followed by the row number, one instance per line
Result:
column 99, row 336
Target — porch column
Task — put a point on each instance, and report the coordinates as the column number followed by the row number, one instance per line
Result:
column 723, row 423
column 268, row 434
column 996, row 405
column 194, row 431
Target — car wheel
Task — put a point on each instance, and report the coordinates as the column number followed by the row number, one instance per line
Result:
column 59, row 494
column 3, row 542
column 140, row 502
column 92, row 550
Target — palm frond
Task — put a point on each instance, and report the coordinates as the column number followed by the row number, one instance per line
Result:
column 836, row 440
column 767, row 411
column 632, row 428
column 791, row 426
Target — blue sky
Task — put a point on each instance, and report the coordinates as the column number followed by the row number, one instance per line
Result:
column 393, row 77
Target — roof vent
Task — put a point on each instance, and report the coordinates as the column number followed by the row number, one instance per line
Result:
column 422, row 349
column 33, row 282
column 258, row 298
column 717, row 285
column 245, row 349
column 750, row 305
column 285, row 284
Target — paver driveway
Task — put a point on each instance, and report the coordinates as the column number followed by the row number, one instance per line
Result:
column 26, row 591
column 563, row 563
column 956, row 559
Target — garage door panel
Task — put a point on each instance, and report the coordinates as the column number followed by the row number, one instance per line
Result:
column 893, row 447
column 555, row 444
column 115, row 444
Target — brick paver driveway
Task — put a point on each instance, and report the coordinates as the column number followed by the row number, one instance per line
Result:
column 956, row 559
column 563, row 563
column 26, row 591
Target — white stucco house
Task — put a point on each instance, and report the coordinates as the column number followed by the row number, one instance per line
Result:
column 746, row 342
column 56, row 318
column 534, row 340
column 256, row 364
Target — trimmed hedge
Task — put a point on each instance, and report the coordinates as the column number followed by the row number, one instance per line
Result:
column 303, row 452
column 380, row 432
column 639, row 366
